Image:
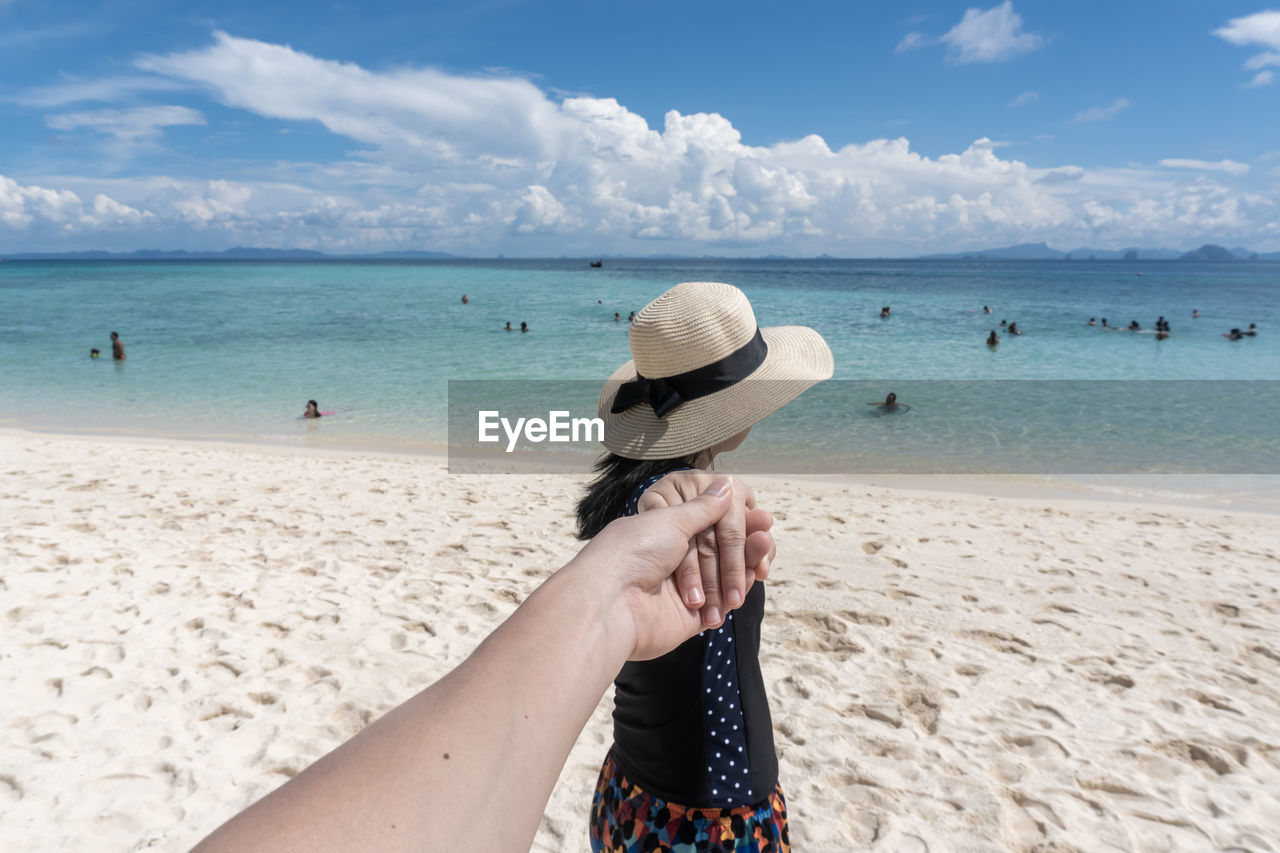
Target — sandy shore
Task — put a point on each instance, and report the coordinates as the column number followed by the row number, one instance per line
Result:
column 186, row 626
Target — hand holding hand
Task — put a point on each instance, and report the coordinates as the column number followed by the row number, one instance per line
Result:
column 637, row 557
column 723, row 561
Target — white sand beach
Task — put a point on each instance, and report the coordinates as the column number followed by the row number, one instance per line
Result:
column 185, row 626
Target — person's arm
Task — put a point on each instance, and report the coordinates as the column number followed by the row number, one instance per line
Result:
column 469, row 763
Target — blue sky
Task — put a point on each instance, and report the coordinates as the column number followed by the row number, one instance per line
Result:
column 593, row 127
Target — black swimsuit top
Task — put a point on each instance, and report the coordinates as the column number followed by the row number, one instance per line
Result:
column 693, row 726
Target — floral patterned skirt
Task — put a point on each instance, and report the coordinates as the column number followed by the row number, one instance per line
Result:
column 627, row 819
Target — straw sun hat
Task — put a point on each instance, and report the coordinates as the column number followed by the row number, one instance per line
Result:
column 702, row 371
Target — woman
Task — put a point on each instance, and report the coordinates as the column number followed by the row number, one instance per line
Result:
column 313, row 410
column 693, row 757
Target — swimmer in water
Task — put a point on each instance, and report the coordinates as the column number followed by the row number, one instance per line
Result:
column 631, row 317
column 1092, row 322
column 890, row 405
column 1134, row 327
column 524, row 327
column 93, row 353
column 1004, row 323
column 313, row 410
column 884, row 313
column 617, row 318
column 986, row 309
column 509, row 329
column 1253, row 331
column 1013, row 329
column 1195, row 313
column 1233, row 335
column 993, row 339
column 465, row 300
column 1104, row 323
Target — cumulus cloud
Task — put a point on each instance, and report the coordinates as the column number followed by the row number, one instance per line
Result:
column 22, row 206
column 1106, row 113
column 1231, row 167
column 489, row 163
column 989, row 36
column 1261, row 29
column 128, row 125
column 1024, row 99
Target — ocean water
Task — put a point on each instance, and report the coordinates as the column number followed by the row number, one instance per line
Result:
column 233, row 350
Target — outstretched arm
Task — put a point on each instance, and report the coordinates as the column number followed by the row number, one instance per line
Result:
column 469, row 763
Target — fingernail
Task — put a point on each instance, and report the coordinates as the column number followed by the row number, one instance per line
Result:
column 720, row 488
column 694, row 597
column 713, row 615
column 735, row 599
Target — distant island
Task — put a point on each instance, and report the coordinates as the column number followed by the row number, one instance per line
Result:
column 1020, row 252
column 1042, row 252
column 239, row 253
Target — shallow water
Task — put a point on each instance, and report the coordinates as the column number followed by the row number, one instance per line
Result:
column 234, row 350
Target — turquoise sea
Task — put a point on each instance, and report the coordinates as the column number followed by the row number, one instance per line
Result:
column 233, row 350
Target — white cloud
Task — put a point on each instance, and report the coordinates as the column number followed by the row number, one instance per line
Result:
column 990, row 36
column 1024, row 99
column 1102, row 113
column 1262, row 29
column 1259, row 28
column 426, row 111
column 479, row 164
column 910, row 41
column 1231, row 167
column 1262, row 60
column 128, row 125
column 22, row 206
column 1262, row 78
column 105, row 89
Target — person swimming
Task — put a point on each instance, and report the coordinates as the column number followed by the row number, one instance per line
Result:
column 986, row 309
column 1092, row 322
column 508, row 327
column 1013, row 329
column 93, row 353
column 617, row 318
column 465, row 300
column 1253, row 331
column 1195, row 313
column 890, row 405
column 1104, row 323
column 313, row 410
column 524, row 327
column 1134, row 327
column 993, row 339
column 1233, row 335
column 884, row 313
column 631, row 317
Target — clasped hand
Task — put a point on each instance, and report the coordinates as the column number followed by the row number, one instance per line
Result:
column 680, row 565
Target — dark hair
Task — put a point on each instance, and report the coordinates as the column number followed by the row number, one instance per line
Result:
column 616, row 480
column 316, row 405
column 115, row 334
